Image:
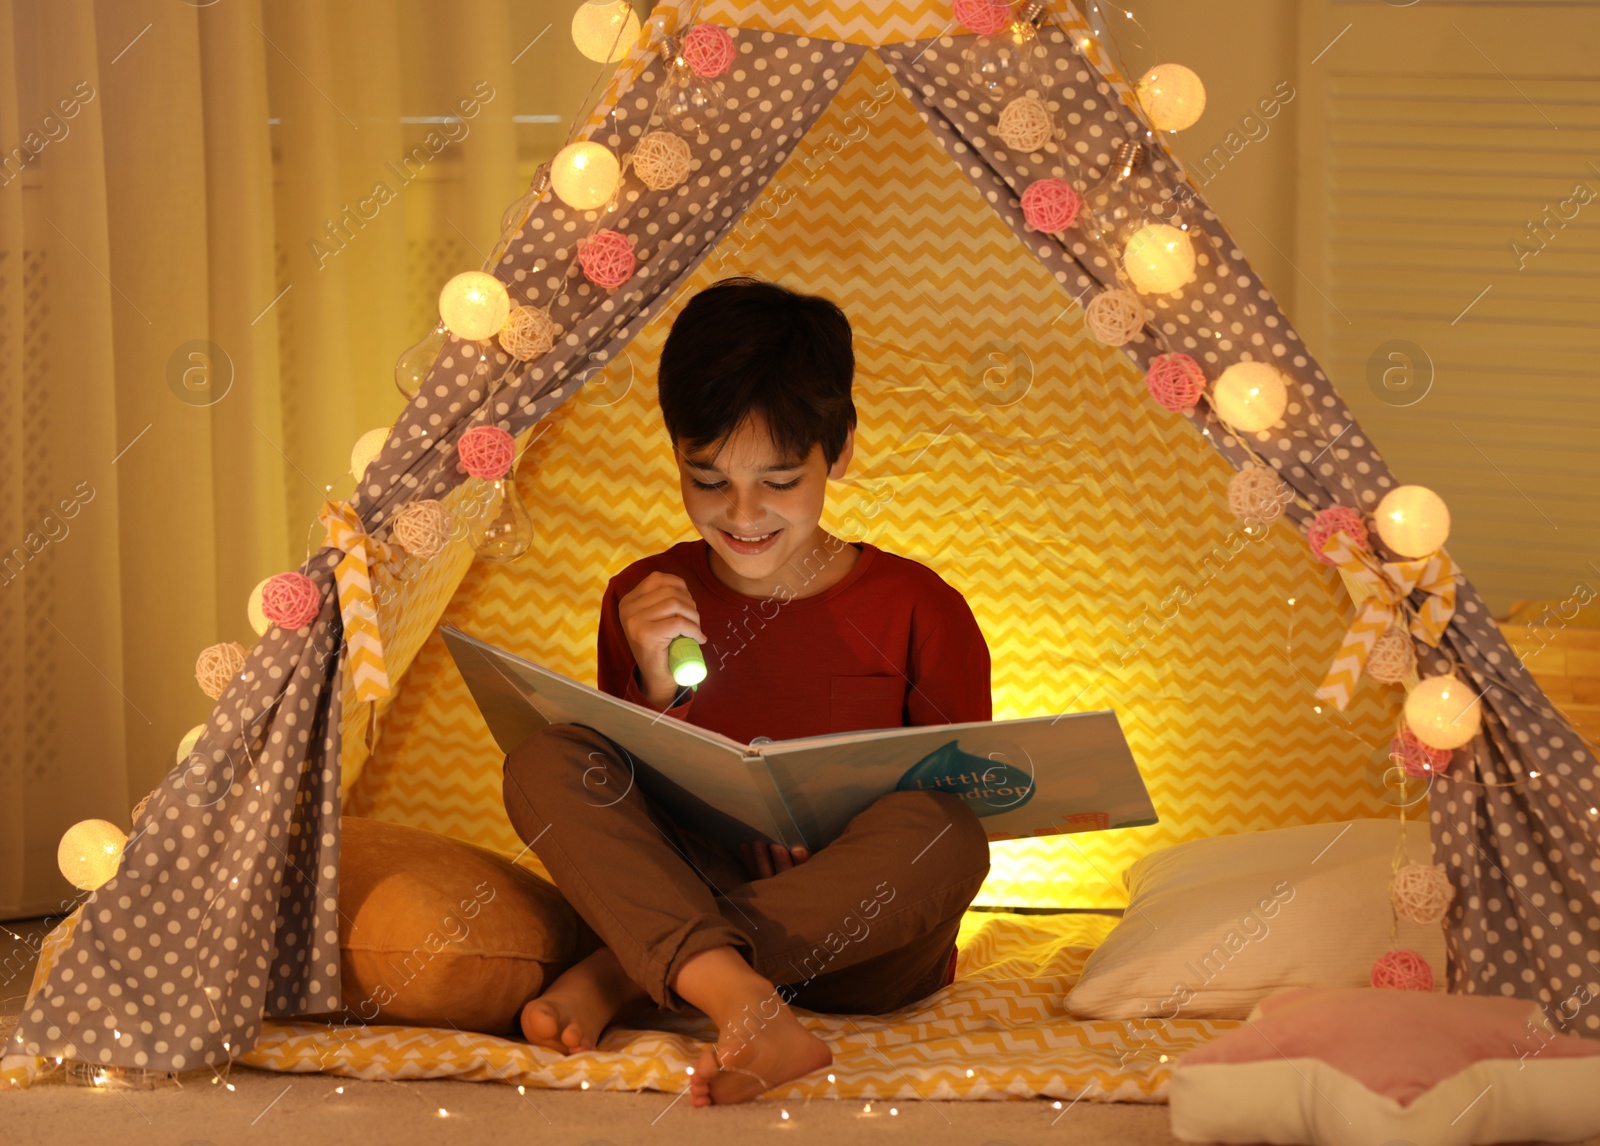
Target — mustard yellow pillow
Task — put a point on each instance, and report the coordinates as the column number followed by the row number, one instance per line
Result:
column 435, row 932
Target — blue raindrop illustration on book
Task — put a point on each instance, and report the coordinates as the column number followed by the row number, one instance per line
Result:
column 988, row 786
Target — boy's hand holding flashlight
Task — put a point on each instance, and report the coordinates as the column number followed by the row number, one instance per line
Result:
column 658, row 610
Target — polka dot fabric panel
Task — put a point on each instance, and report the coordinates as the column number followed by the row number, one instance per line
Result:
column 223, row 909
column 1522, row 850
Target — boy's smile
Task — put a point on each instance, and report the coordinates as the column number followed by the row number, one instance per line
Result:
column 760, row 513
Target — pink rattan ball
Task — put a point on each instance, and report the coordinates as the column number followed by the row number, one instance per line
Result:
column 708, row 49
column 486, row 452
column 1415, row 757
column 290, row 600
column 1050, row 205
column 985, row 17
column 1336, row 519
column 607, row 258
column 1175, row 380
column 1402, row 970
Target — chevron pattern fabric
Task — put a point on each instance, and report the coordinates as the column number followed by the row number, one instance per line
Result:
column 999, row 1031
column 870, row 22
column 1003, row 447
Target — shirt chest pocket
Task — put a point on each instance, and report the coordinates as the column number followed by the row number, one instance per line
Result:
column 857, row 703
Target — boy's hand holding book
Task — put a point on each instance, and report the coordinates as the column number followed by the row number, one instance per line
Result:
column 658, row 609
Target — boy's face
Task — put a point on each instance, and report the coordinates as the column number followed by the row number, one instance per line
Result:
column 757, row 510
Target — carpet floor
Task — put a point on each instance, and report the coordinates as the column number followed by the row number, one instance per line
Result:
column 248, row 1106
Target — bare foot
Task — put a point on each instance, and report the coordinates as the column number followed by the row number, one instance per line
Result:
column 575, row 1010
column 755, row 1054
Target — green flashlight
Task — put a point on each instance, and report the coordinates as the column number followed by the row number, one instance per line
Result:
column 686, row 661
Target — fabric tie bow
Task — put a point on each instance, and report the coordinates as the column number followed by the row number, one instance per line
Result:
column 363, row 642
column 1388, row 584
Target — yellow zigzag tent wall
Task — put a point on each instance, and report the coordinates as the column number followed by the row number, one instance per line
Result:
column 1017, row 457
column 1064, row 504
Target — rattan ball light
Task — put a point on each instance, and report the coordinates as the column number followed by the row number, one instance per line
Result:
column 1115, row 316
column 1421, row 892
column 527, row 334
column 662, row 160
column 1025, row 124
column 217, row 665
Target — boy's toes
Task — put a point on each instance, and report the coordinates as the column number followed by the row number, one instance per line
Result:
column 700, row 1080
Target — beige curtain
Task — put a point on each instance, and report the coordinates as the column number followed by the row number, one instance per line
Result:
column 220, row 223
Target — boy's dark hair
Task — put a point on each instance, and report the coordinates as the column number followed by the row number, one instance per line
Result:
column 745, row 346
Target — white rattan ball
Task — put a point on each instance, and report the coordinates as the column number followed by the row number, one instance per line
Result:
column 423, row 528
column 527, row 334
column 1255, row 493
column 1025, row 124
column 1421, row 892
column 1115, row 316
column 217, row 665
column 1393, row 657
column 662, row 160
column 138, row 809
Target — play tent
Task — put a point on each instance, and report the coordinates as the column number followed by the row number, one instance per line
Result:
column 1000, row 443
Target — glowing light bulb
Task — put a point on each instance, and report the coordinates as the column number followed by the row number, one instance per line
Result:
column 585, row 175
column 474, row 305
column 1117, row 212
column 605, row 30
column 258, row 618
column 1159, row 259
column 1443, row 712
column 89, row 853
column 411, row 368
column 368, row 446
column 1172, row 96
column 1250, row 396
column 1413, row 520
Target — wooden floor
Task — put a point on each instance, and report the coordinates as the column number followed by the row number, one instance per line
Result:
column 1564, row 659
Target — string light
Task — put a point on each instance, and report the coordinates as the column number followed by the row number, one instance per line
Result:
column 1250, row 396
column 1172, row 97
column 585, row 175
column 1443, row 712
column 605, row 30
column 474, row 305
column 89, row 853
column 1413, row 520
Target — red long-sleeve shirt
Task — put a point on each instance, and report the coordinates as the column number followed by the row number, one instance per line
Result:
column 888, row 645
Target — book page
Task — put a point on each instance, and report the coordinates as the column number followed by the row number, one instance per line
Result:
column 1044, row 775
column 715, row 784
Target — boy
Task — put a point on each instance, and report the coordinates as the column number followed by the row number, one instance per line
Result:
column 802, row 634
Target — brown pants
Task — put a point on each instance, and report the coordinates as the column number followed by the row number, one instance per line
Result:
column 866, row 925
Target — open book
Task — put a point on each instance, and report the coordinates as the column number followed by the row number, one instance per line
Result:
column 1040, row 776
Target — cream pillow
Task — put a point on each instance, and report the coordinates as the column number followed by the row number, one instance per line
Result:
column 1213, row 926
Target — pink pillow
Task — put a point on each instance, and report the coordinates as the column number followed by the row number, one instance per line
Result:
column 1395, row 1043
